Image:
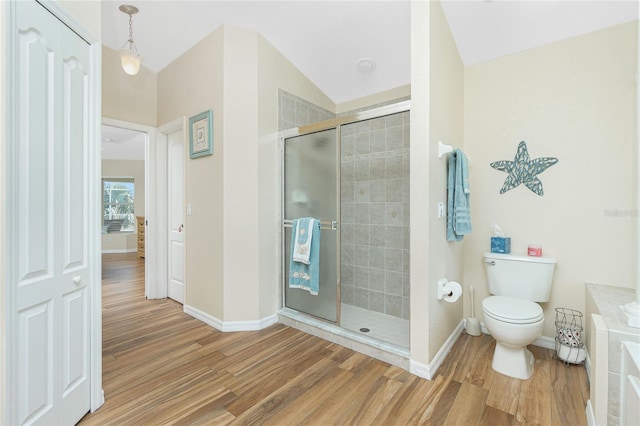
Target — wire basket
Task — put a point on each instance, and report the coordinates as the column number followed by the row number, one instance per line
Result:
column 569, row 344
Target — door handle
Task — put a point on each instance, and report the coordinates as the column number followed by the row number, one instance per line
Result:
column 77, row 279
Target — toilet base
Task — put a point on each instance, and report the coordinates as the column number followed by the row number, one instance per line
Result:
column 513, row 362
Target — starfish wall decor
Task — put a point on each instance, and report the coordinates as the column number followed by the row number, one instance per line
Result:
column 524, row 170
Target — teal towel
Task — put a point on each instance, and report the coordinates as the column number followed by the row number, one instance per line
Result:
column 302, row 247
column 301, row 275
column 458, row 211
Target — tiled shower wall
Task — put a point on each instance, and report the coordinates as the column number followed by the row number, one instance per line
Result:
column 375, row 214
column 295, row 111
column 374, row 205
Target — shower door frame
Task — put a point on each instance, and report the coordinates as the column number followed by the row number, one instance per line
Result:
column 333, row 123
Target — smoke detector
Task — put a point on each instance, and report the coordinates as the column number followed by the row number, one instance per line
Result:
column 365, row 65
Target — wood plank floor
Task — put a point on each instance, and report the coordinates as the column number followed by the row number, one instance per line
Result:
column 161, row 366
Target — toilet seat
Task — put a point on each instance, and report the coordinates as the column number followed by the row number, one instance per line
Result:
column 512, row 311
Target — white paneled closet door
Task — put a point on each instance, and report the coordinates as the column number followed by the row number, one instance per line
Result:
column 49, row 218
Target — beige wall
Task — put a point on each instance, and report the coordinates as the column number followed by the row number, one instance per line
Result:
column 419, row 182
column 130, row 98
column 377, row 98
column 240, row 200
column 115, row 242
column 446, row 124
column 574, row 100
column 190, row 85
column 437, row 113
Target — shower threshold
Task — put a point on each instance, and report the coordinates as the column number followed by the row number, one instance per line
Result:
column 358, row 341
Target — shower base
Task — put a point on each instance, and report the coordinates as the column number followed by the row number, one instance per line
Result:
column 369, row 343
column 382, row 327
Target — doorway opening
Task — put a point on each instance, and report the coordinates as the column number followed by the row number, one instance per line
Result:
column 123, row 191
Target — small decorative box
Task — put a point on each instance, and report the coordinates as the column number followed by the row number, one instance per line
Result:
column 534, row 251
column 500, row 244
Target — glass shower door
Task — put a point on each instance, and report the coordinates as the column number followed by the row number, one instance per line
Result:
column 311, row 190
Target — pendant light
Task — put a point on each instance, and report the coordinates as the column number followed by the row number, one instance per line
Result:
column 130, row 57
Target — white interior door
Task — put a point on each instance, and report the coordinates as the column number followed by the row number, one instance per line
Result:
column 49, row 219
column 175, row 147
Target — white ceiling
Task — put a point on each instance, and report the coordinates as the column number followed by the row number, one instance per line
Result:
column 324, row 39
column 485, row 30
column 122, row 144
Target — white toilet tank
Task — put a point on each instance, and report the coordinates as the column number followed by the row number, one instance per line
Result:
column 520, row 277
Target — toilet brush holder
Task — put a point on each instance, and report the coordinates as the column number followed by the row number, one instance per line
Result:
column 473, row 325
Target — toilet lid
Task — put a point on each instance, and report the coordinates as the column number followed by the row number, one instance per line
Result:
column 514, row 311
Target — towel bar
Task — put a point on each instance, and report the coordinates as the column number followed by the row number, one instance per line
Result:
column 324, row 224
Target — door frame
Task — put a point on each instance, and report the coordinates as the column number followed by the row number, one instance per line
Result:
column 8, row 303
column 152, row 272
column 180, row 123
column 156, row 202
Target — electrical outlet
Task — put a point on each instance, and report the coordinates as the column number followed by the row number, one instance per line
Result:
column 441, row 210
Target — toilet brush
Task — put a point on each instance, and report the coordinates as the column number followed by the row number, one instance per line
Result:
column 473, row 325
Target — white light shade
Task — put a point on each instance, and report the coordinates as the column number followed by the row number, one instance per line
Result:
column 130, row 61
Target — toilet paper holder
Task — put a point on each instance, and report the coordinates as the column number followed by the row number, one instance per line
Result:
column 444, row 289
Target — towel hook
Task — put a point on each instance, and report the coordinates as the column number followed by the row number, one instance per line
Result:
column 443, row 149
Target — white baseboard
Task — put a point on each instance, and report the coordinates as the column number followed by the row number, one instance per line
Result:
column 117, row 251
column 420, row 369
column 226, row 326
column 203, row 316
column 546, row 342
column 99, row 402
column 428, row 371
column 591, row 418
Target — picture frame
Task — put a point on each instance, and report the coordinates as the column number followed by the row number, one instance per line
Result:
column 201, row 134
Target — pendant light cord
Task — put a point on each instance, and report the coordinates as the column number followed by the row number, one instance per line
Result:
column 130, row 41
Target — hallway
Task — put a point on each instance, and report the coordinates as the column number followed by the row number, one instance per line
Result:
column 160, row 366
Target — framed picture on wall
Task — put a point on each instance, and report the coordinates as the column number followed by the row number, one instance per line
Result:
column 201, row 134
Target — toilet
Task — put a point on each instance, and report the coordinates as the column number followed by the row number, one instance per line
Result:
column 511, row 314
